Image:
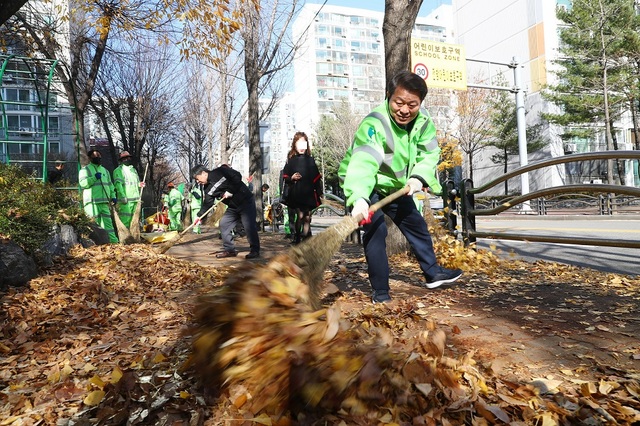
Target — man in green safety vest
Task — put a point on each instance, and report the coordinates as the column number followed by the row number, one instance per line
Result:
column 97, row 193
column 127, row 186
column 174, row 204
column 395, row 146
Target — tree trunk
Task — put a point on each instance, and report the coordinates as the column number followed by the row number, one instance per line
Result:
column 399, row 19
column 252, row 75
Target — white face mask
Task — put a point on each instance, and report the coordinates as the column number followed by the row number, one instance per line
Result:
column 301, row 146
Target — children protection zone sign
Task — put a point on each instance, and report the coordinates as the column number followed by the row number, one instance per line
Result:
column 440, row 64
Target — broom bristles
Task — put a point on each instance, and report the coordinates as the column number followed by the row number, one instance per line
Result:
column 134, row 227
column 167, row 245
column 123, row 232
column 314, row 255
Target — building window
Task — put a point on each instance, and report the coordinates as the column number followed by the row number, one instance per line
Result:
column 20, row 123
column 17, row 95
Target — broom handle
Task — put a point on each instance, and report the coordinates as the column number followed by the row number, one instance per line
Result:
column 386, row 200
column 200, row 217
column 144, row 179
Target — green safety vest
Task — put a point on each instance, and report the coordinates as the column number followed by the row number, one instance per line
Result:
column 94, row 190
column 174, row 201
column 383, row 156
column 126, row 183
column 195, row 203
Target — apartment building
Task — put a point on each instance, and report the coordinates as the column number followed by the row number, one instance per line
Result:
column 35, row 118
column 36, row 121
column 342, row 58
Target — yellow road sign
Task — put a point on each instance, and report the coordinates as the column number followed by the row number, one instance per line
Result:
column 440, row 64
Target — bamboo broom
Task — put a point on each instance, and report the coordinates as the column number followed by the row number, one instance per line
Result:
column 134, row 226
column 168, row 244
column 313, row 255
column 124, row 236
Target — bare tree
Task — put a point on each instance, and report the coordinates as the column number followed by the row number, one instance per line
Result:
column 79, row 35
column 474, row 126
column 136, row 98
column 197, row 111
column 267, row 50
column 231, row 109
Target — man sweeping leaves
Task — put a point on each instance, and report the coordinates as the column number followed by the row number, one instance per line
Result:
column 395, row 146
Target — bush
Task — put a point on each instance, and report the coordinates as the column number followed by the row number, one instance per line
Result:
column 29, row 209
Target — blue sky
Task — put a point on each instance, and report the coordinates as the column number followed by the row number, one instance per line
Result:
column 427, row 5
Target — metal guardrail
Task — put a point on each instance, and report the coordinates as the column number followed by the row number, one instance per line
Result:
column 465, row 197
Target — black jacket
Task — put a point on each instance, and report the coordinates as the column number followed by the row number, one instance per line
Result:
column 306, row 192
column 220, row 180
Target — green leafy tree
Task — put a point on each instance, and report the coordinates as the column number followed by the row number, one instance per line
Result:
column 29, row 209
column 504, row 132
column 594, row 67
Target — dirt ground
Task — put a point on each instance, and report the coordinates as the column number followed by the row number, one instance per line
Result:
column 530, row 320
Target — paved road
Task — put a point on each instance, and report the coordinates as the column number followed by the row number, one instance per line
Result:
column 609, row 259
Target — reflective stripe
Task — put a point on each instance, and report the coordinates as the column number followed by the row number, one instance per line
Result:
column 216, row 185
column 431, row 145
column 371, row 151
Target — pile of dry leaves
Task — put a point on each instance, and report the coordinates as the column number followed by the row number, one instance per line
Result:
column 122, row 335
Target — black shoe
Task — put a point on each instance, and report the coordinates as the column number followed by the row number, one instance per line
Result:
column 224, row 254
column 445, row 276
column 252, row 255
column 380, row 298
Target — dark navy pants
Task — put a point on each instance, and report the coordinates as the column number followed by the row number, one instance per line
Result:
column 404, row 214
column 246, row 214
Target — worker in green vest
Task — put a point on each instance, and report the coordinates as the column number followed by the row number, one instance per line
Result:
column 195, row 203
column 174, row 204
column 97, row 193
column 127, row 186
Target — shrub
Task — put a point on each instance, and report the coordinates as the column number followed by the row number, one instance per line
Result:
column 29, row 209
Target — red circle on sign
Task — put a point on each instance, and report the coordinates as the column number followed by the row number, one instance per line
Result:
column 421, row 70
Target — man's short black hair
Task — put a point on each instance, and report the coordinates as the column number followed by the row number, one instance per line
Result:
column 410, row 81
column 197, row 170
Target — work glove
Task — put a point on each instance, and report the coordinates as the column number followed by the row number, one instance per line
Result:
column 98, row 175
column 414, row 186
column 114, row 200
column 227, row 194
column 197, row 222
column 142, row 184
column 196, row 195
column 361, row 208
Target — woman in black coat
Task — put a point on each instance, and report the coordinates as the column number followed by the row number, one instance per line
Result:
column 304, row 183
